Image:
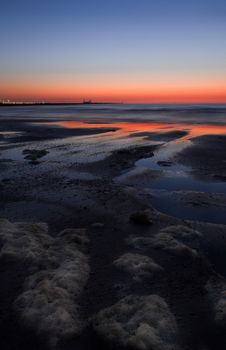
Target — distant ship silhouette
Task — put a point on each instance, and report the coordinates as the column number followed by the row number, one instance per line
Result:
column 87, row 102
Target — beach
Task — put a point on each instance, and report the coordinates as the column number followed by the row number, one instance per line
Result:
column 132, row 202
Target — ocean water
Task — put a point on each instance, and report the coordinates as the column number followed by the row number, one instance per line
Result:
column 185, row 113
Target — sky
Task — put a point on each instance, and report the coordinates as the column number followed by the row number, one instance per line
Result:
column 105, row 50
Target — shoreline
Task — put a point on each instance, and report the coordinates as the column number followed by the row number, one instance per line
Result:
column 65, row 183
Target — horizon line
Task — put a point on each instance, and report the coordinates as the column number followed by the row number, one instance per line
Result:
column 8, row 102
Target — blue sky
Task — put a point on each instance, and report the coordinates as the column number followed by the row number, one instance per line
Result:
column 92, row 41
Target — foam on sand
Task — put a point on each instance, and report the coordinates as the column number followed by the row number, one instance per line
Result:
column 179, row 239
column 137, row 265
column 217, row 293
column 138, row 322
column 58, row 272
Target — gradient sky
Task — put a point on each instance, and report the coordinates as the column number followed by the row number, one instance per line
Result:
column 121, row 50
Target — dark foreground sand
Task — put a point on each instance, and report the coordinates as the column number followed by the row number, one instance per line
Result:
column 105, row 270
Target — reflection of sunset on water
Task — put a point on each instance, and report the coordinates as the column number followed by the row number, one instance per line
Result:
column 127, row 128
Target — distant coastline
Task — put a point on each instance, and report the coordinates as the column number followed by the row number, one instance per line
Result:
column 17, row 104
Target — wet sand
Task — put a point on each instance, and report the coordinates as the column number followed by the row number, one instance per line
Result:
column 25, row 131
column 83, row 180
column 161, row 136
column 206, row 155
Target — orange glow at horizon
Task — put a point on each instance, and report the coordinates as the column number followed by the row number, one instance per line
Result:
column 134, row 91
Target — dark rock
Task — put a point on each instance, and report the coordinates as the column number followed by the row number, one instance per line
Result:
column 141, row 217
column 164, row 163
column 33, row 155
column 98, row 225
